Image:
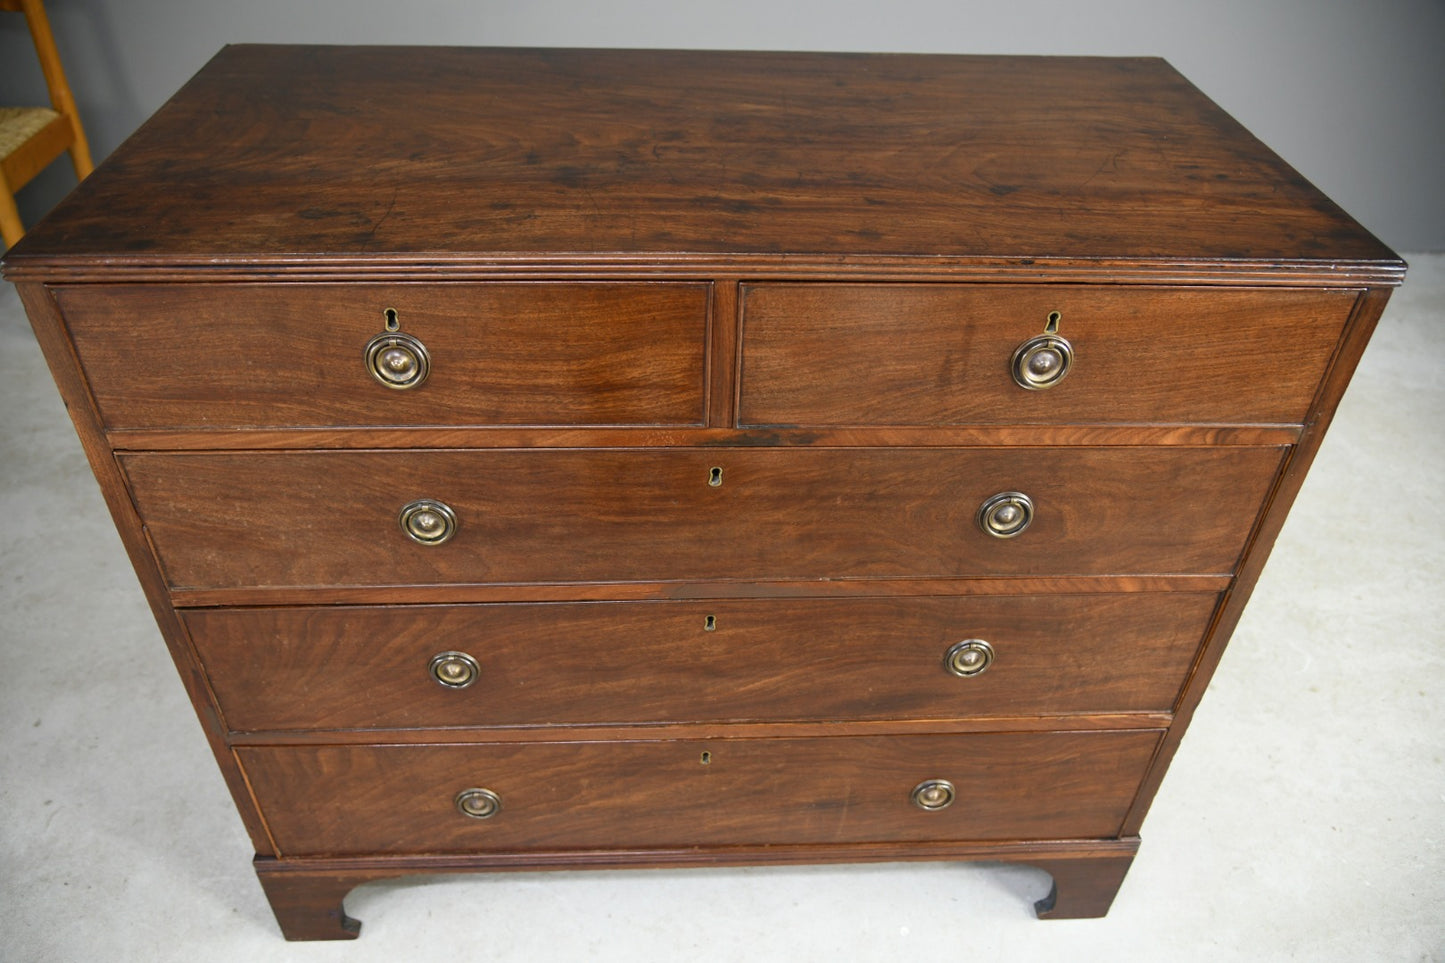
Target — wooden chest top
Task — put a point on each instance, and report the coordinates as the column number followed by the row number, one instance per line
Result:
column 301, row 156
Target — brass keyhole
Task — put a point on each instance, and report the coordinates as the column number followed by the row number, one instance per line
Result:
column 392, row 322
column 706, row 758
column 714, row 478
column 709, row 624
column 1053, row 326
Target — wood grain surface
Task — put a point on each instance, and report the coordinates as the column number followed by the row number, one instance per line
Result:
column 357, row 800
column 318, row 519
column 370, row 152
column 227, row 356
column 939, row 354
column 783, row 660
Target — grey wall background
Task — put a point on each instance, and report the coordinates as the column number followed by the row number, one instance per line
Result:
column 1351, row 92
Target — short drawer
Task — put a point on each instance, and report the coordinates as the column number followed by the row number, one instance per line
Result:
column 331, row 518
column 356, row 800
column 793, row 660
column 284, row 355
column 941, row 354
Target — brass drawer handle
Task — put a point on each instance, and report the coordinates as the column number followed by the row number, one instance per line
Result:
column 397, row 360
column 968, row 658
column 1043, row 360
column 455, row 670
column 428, row 522
column 1006, row 514
column 933, row 795
column 478, row 803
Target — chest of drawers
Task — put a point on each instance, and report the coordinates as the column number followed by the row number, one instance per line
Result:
column 591, row 458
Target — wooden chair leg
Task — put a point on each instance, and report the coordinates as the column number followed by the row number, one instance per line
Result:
column 11, row 228
column 80, row 157
column 1084, row 887
column 61, row 97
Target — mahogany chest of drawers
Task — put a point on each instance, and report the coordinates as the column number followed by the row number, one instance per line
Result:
column 595, row 458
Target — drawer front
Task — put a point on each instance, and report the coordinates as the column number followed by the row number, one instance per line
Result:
column 933, row 354
column 354, row 800
column 716, row 661
column 283, row 355
column 226, row 520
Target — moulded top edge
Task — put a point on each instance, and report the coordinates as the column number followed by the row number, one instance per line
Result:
column 317, row 267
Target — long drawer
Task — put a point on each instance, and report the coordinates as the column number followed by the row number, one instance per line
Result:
column 332, row 518
column 792, row 660
column 355, row 800
column 941, row 354
column 295, row 355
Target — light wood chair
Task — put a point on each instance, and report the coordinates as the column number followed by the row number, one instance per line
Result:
column 32, row 137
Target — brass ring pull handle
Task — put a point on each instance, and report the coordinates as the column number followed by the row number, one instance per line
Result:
column 397, row 360
column 1042, row 361
column 428, row 522
column 968, row 658
column 478, row 803
column 455, row 670
column 933, row 794
column 1006, row 514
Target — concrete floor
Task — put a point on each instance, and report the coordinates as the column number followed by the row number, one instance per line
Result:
column 1304, row 817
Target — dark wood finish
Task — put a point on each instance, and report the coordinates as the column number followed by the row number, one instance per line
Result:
column 1083, row 887
column 655, row 662
column 212, row 356
column 616, row 258
column 308, row 905
column 772, row 729
column 308, row 901
column 484, row 154
column 46, row 321
column 355, row 800
column 722, row 382
column 676, row 589
column 889, row 269
column 939, row 354
column 1352, row 347
column 330, row 518
column 952, row 436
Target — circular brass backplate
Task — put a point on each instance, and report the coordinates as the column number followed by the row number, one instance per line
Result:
column 455, row 670
column 427, row 521
column 968, row 658
column 478, row 803
column 1042, row 362
column 933, row 794
column 1006, row 514
column 397, row 360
